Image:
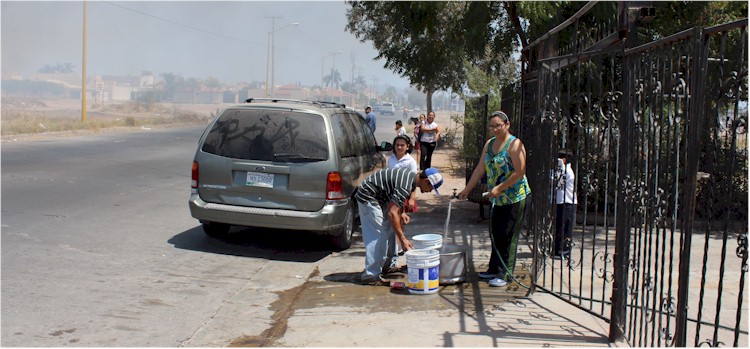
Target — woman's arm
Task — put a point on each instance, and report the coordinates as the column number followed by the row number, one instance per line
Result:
column 478, row 173
column 429, row 130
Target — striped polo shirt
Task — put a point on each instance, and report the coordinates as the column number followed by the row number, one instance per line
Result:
column 389, row 185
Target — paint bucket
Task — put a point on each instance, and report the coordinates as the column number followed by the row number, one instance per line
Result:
column 452, row 264
column 424, row 271
column 427, row 242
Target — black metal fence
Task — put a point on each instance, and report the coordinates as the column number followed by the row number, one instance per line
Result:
column 658, row 134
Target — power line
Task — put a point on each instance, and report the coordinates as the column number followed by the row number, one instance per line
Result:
column 186, row 26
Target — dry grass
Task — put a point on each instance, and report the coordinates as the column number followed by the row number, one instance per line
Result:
column 18, row 120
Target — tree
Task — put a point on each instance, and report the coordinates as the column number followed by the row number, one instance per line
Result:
column 391, row 93
column 416, row 39
column 332, row 79
column 675, row 16
column 360, row 83
column 213, row 84
column 59, row 68
column 347, row 87
column 172, row 82
column 194, row 85
column 415, row 97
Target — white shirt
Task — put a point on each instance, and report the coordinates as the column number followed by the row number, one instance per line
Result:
column 565, row 185
column 405, row 162
column 401, row 132
column 428, row 137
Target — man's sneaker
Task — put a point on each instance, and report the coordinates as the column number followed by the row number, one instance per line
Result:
column 374, row 281
column 395, row 269
column 485, row 275
column 497, row 282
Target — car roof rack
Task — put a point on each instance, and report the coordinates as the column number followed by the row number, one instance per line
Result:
column 321, row 104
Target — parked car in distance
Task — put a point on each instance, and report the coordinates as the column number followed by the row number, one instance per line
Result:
column 286, row 164
column 387, row 108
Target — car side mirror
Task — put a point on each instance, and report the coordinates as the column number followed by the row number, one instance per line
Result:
column 385, row 146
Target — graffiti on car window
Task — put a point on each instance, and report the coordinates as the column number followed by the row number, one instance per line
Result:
column 268, row 136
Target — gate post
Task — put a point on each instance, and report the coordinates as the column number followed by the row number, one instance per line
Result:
column 695, row 121
column 624, row 186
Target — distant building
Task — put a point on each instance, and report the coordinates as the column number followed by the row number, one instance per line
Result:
column 290, row 91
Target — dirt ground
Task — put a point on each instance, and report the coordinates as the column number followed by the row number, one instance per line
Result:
column 158, row 116
column 72, row 107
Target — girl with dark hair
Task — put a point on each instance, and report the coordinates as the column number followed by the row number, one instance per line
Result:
column 400, row 129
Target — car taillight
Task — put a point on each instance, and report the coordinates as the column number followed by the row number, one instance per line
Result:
column 334, row 186
column 194, row 182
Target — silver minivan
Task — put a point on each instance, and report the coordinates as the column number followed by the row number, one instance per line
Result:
column 286, row 164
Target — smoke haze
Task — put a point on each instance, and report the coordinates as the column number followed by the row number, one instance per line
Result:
column 195, row 39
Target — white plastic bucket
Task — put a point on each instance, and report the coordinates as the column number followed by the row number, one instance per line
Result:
column 423, row 270
column 427, row 242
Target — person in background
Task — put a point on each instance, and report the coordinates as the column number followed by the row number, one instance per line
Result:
column 417, row 135
column 566, row 199
column 380, row 200
column 370, row 118
column 400, row 129
column 504, row 163
column 401, row 159
column 428, row 140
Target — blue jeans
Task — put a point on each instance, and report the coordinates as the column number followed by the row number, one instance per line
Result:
column 379, row 239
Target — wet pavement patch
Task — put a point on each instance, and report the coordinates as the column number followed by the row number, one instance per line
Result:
column 344, row 290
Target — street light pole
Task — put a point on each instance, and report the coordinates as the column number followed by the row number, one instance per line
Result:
column 83, row 76
column 322, row 77
column 273, row 54
column 272, row 50
column 268, row 61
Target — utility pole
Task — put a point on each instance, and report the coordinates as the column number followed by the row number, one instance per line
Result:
column 322, row 78
column 83, row 68
column 272, row 37
column 268, row 60
column 351, row 87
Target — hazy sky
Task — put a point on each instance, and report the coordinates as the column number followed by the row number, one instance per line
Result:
column 227, row 40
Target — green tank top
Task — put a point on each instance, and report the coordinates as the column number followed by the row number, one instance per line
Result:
column 499, row 167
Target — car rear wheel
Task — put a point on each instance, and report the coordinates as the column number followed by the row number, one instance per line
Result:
column 342, row 237
column 216, row 230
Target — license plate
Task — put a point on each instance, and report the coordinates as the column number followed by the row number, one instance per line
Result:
column 257, row 179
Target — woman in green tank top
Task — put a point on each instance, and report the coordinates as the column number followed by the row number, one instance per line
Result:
column 504, row 164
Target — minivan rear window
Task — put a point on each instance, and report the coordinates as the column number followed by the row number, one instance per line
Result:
column 268, row 135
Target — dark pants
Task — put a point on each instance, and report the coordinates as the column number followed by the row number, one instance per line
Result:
column 426, row 150
column 505, row 224
column 563, row 229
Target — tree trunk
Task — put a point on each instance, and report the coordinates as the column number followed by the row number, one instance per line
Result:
column 430, row 91
column 512, row 10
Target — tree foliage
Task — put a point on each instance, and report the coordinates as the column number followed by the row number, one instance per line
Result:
column 675, row 16
column 333, row 79
column 418, row 40
column 59, row 68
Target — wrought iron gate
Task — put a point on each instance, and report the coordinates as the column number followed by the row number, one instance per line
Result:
column 658, row 134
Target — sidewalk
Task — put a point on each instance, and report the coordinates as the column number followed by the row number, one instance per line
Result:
column 469, row 314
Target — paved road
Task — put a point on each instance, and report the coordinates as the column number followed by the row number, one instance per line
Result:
column 99, row 249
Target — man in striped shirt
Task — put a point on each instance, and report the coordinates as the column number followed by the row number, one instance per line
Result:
column 380, row 199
